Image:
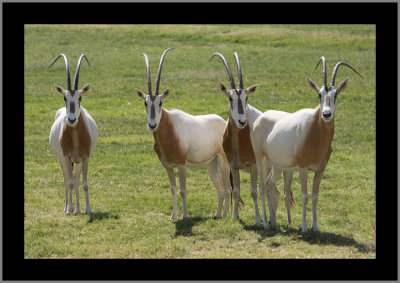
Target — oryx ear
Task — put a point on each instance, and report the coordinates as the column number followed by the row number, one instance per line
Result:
column 223, row 88
column 313, row 85
column 164, row 94
column 84, row 89
column 60, row 90
column 140, row 94
column 343, row 85
column 251, row 89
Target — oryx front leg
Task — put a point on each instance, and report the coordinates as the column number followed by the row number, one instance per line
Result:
column 66, row 165
column 182, row 189
column 317, row 180
column 236, row 192
column 85, row 166
column 304, row 197
column 273, row 194
column 172, row 183
column 253, row 192
column 78, row 171
column 215, row 177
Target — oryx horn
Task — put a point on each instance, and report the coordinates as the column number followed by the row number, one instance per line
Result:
column 76, row 80
column 239, row 71
column 336, row 69
column 323, row 71
column 67, row 69
column 148, row 74
column 159, row 71
column 226, row 66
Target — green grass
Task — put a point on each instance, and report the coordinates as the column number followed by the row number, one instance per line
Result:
column 128, row 187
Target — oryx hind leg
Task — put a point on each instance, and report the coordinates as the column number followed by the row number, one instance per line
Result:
column 215, row 177
column 273, row 193
column 253, row 192
column 288, row 178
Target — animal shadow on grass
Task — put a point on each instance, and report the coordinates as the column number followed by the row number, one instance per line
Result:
column 311, row 237
column 98, row 216
column 184, row 226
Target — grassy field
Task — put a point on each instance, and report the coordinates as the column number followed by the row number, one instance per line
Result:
column 128, row 187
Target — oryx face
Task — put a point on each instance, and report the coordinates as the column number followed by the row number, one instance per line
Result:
column 153, row 104
column 72, row 99
column 328, row 95
column 237, row 103
column 237, row 96
column 327, row 98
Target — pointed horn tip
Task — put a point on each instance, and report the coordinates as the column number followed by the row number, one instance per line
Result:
column 212, row 56
column 87, row 60
column 319, row 61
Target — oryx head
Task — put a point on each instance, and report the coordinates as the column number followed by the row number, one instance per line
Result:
column 328, row 95
column 237, row 96
column 152, row 102
column 72, row 97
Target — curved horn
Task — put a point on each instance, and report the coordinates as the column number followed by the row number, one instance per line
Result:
column 159, row 70
column 148, row 74
column 323, row 71
column 239, row 71
column 337, row 68
column 226, row 66
column 67, row 69
column 76, row 80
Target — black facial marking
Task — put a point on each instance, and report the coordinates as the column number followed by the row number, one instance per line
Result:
column 72, row 107
column 240, row 106
column 153, row 111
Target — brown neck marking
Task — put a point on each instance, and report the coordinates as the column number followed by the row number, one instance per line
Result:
column 167, row 143
column 316, row 147
column 237, row 145
column 76, row 142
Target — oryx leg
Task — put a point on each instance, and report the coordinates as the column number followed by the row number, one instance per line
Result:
column 304, row 197
column 273, row 193
column 85, row 185
column 78, row 171
column 226, row 182
column 253, row 192
column 262, row 173
column 236, row 192
column 172, row 183
column 317, row 180
column 66, row 166
column 287, row 179
column 182, row 189
column 216, row 178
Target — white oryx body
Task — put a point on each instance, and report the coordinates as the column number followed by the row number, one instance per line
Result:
column 299, row 141
column 182, row 140
column 73, row 137
column 237, row 142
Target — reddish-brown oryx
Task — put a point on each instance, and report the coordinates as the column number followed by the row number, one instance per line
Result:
column 73, row 137
column 299, row 141
column 182, row 140
column 237, row 144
